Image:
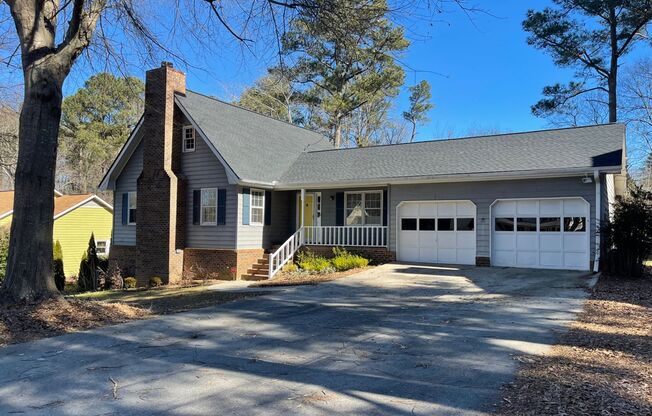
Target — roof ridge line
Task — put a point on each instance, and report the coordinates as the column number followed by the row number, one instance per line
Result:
column 472, row 137
column 255, row 112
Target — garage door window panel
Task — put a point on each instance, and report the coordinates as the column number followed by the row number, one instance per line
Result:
column 465, row 224
column 426, row 224
column 445, row 224
column 549, row 224
column 528, row 224
column 409, row 224
column 575, row 224
column 504, row 224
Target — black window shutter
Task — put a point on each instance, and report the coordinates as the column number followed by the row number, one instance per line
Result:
column 196, row 206
column 125, row 208
column 339, row 209
column 385, row 207
column 221, row 206
column 268, row 207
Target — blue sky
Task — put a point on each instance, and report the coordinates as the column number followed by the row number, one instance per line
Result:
column 483, row 74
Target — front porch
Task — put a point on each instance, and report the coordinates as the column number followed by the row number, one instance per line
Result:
column 353, row 219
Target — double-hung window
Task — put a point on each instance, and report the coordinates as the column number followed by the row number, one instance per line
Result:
column 102, row 247
column 188, row 139
column 209, row 206
column 363, row 208
column 257, row 207
column 131, row 203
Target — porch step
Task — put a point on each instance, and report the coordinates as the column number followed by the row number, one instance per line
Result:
column 259, row 270
column 254, row 276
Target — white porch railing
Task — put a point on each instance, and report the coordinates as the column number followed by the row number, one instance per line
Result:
column 283, row 254
column 349, row 236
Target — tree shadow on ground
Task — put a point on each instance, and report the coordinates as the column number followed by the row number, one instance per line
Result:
column 602, row 365
column 426, row 341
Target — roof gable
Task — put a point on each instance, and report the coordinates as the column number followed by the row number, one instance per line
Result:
column 255, row 147
column 62, row 204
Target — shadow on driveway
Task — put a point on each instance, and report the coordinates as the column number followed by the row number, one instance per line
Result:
column 399, row 340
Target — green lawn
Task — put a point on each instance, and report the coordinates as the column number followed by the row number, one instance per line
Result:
column 165, row 300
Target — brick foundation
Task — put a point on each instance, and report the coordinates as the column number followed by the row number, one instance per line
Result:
column 214, row 264
column 482, row 261
column 377, row 255
column 219, row 264
column 125, row 258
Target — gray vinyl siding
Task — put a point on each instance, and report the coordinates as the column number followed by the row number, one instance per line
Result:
column 264, row 236
column 125, row 235
column 202, row 169
column 483, row 194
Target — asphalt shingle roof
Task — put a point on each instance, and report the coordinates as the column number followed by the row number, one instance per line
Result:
column 61, row 203
column 256, row 147
column 570, row 148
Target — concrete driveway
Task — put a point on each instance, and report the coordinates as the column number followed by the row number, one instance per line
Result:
column 397, row 340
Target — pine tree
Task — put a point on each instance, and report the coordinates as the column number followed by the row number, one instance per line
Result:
column 590, row 36
column 344, row 50
column 419, row 106
column 87, row 279
column 59, row 274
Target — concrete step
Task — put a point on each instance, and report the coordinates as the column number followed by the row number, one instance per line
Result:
column 254, row 276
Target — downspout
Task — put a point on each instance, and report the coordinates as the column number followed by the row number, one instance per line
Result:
column 389, row 216
column 598, row 212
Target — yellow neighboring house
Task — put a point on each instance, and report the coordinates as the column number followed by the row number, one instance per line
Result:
column 76, row 217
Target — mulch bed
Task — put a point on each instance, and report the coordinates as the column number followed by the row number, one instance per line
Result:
column 289, row 279
column 601, row 366
column 30, row 321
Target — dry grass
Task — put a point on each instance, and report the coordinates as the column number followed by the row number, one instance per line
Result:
column 31, row 321
column 288, row 279
column 165, row 300
column 602, row 366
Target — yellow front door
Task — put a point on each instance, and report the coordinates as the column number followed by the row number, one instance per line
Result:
column 308, row 210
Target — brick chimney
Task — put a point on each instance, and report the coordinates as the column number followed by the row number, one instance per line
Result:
column 159, row 221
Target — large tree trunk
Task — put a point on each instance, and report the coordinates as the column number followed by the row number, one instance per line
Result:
column 29, row 267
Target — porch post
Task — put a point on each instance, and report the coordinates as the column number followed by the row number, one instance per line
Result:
column 303, row 204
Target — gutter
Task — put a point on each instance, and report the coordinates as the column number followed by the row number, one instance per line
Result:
column 470, row 177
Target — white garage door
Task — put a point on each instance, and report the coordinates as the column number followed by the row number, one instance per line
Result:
column 540, row 233
column 437, row 232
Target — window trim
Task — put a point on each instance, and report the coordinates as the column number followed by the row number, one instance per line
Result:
column 251, row 207
column 201, row 207
column 129, row 197
column 364, row 208
column 107, row 246
column 183, row 139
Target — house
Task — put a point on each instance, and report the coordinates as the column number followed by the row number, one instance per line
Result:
column 76, row 217
column 202, row 185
